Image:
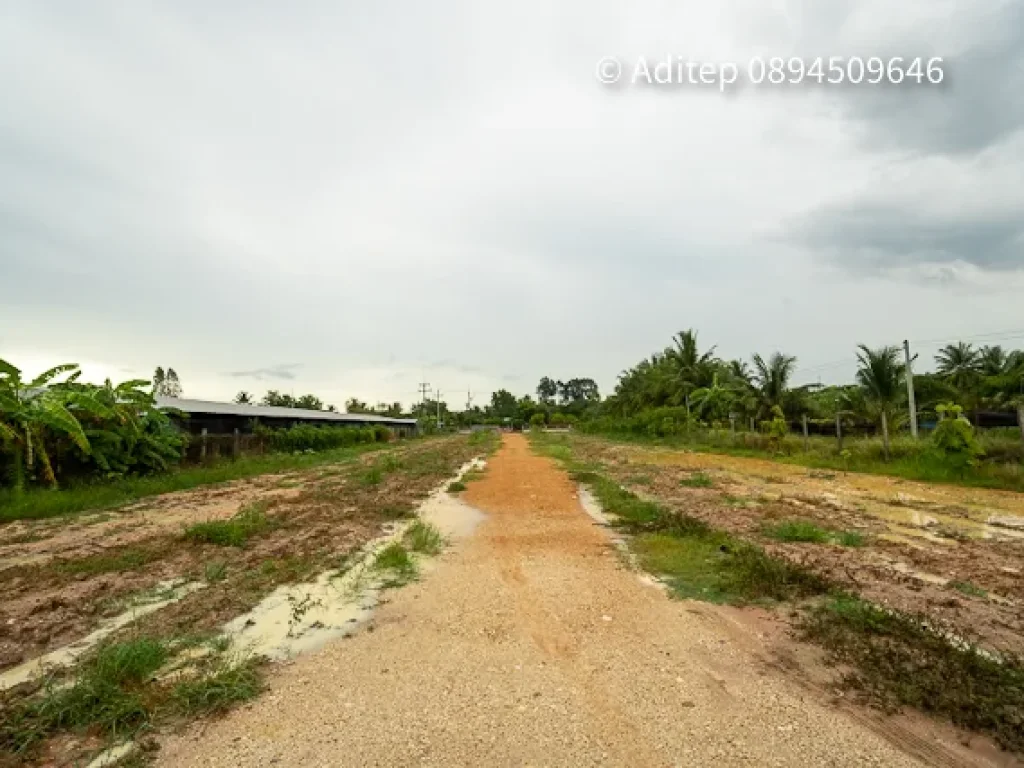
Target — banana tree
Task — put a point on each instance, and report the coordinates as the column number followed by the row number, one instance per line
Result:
column 28, row 412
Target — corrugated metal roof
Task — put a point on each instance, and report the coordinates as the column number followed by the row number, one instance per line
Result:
column 274, row 412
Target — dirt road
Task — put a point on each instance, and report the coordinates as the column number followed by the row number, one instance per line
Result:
column 530, row 643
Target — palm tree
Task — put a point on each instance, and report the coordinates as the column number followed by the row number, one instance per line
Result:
column 992, row 361
column 244, row 398
column 28, row 411
column 960, row 364
column 692, row 369
column 881, row 376
column 771, row 379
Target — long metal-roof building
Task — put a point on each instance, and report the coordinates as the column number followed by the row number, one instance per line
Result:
column 224, row 418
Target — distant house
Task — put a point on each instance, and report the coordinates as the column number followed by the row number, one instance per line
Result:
column 225, row 418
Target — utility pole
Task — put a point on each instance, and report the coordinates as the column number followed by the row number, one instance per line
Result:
column 469, row 399
column 439, row 409
column 424, row 389
column 910, row 389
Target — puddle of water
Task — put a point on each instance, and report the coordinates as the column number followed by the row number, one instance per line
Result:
column 299, row 618
column 112, row 755
column 449, row 514
column 927, row 578
column 908, row 521
column 164, row 594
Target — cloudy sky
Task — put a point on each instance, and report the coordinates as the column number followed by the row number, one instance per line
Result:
column 350, row 198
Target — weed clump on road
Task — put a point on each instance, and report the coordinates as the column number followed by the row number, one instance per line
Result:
column 423, row 538
column 898, row 660
column 234, row 532
column 397, row 564
column 456, row 487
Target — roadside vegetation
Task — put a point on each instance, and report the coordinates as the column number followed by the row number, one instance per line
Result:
column 688, row 397
column 117, row 693
column 890, row 658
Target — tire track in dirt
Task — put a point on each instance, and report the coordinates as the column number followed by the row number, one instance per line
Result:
column 529, row 643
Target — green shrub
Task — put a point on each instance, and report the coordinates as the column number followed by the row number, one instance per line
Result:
column 233, row 532
column 954, row 440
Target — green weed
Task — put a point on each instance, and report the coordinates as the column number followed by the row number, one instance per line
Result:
column 809, row 532
column 798, row 530
column 215, row 570
column 127, row 559
column 217, row 692
column 394, row 560
column 234, row 532
column 898, row 660
column 456, row 487
column 697, row 480
column 423, row 538
column 969, row 589
column 371, row 476
column 104, row 697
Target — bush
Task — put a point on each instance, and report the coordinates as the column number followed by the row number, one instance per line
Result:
column 538, row 420
column 954, row 440
column 306, row 437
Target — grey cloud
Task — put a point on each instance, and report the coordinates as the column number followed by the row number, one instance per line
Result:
column 283, row 371
column 978, row 105
column 868, row 236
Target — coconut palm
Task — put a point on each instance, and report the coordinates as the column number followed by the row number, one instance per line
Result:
column 992, row 361
column 881, row 377
column 960, row 364
column 692, row 369
column 27, row 411
column 771, row 380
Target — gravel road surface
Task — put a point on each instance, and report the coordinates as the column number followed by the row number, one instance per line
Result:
column 528, row 644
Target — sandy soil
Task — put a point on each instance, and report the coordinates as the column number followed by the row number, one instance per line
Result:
column 321, row 513
column 922, row 539
column 531, row 643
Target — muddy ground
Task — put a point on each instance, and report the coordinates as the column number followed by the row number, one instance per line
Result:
column 63, row 578
column 952, row 553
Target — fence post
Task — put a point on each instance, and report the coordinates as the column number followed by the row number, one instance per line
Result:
column 202, row 445
column 238, row 444
column 839, row 430
column 806, row 447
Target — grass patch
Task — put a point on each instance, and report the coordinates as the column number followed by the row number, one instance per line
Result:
column 897, row 660
column 128, row 559
column 850, row 539
column 806, row 531
column 215, row 570
column 235, row 531
column 219, row 691
column 44, row 503
column 798, row 530
column 394, row 511
column 371, row 476
column 697, row 561
column 105, row 697
column 423, row 538
column 456, row 487
column 967, row 588
column 697, row 480
column 394, row 561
